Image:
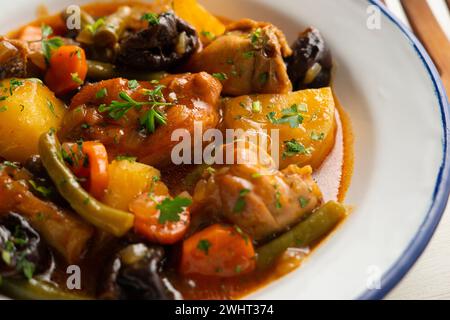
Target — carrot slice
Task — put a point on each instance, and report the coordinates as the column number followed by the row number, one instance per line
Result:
column 148, row 221
column 219, row 251
column 91, row 164
column 68, row 69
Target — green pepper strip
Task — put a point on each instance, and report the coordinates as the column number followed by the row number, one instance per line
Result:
column 317, row 225
column 36, row 290
column 106, row 218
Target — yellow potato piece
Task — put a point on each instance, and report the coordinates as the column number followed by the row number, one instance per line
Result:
column 27, row 109
column 202, row 20
column 314, row 136
column 129, row 179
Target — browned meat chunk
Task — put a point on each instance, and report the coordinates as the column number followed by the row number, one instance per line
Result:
column 192, row 98
column 248, row 58
column 13, row 58
column 260, row 201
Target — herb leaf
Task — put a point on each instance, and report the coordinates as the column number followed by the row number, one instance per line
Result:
column 76, row 78
column 291, row 116
column 240, row 204
column 126, row 158
column 317, row 136
column 220, row 76
column 303, row 202
column 204, row 245
column 152, row 18
column 133, row 84
column 293, row 148
column 101, row 93
column 170, row 209
column 44, row 191
column 48, row 45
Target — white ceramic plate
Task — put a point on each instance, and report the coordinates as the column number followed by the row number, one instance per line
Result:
column 388, row 85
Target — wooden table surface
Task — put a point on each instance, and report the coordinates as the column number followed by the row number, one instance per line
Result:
column 430, row 276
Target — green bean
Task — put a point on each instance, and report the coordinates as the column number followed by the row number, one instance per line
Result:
column 102, row 71
column 317, row 225
column 105, row 218
column 110, row 32
column 36, row 290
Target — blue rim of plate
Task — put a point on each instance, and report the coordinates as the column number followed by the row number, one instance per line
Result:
column 442, row 187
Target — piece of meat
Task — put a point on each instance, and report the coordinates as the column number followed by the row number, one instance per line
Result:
column 61, row 229
column 249, row 57
column 13, row 58
column 261, row 200
column 194, row 98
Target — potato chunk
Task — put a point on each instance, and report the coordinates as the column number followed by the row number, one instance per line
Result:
column 305, row 119
column 27, row 109
column 129, row 179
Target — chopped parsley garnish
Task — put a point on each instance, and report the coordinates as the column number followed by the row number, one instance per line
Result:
column 117, row 109
column 13, row 85
column 241, row 233
column 294, row 148
column 126, row 158
column 220, row 76
column 264, row 77
column 152, row 18
column 255, row 36
column 248, row 54
column 204, row 245
column 240, row 204
column 277, row 198
column 75, row 157
column 76, row 78
column 27, row 267
column 92, row 28
column 44, row 191
column 170, row 209
column 238, row 269
column 209, row 35
column 101, row 93
column 133, row 84
column 256, row 175
column 46, row 31
column 256, row 106
column 303, row 202
column 6, row 257
column 317, row 136
column 291, row 116
column 155, row 94
column 151, row 118
column 19, row 238
column 51, row 108
column 10, row 164
column 3, row 109
column 77, row 53
column 48, row 45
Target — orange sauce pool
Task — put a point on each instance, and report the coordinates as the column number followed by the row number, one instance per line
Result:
column 333, row 177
